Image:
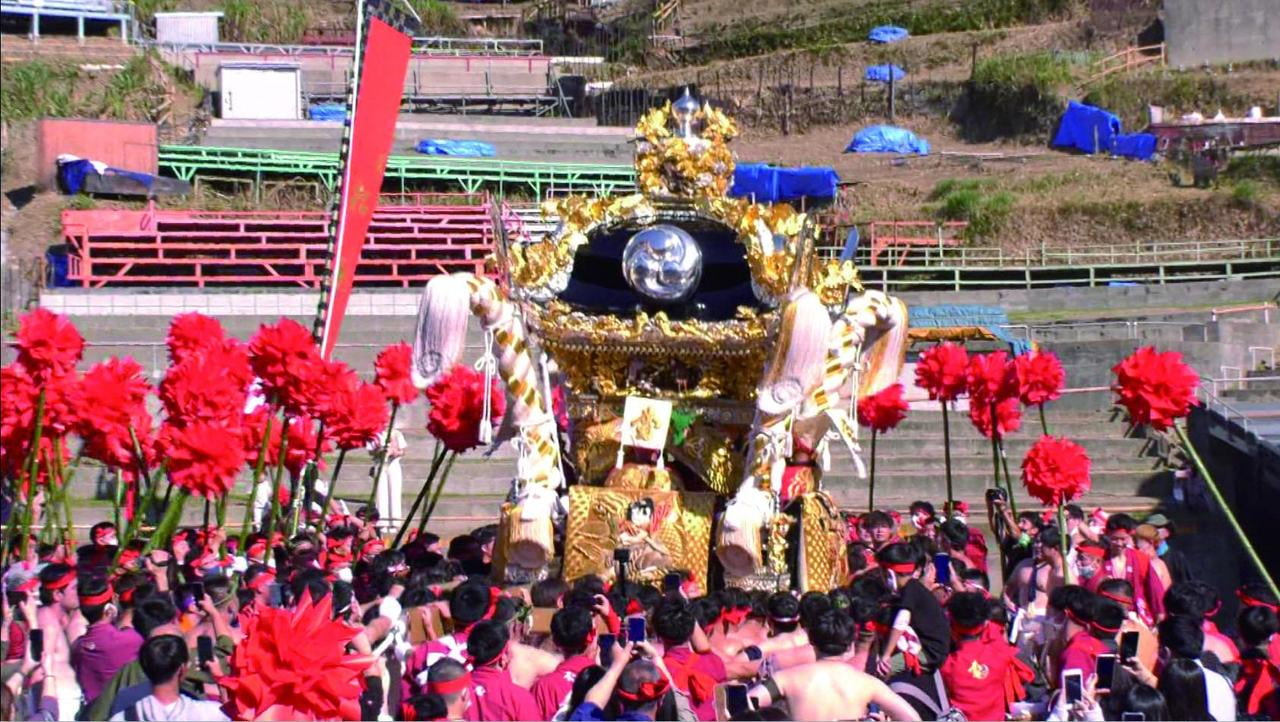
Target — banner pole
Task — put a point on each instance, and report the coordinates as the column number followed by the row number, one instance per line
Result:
column 338, row 209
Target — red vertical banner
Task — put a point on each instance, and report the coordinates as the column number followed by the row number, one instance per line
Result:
column 372, row 127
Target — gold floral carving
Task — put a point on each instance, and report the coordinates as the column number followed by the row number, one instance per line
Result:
column 597, row 515
column 822, row 534
column 710, row 453
column 834, row 279
column 692, row 167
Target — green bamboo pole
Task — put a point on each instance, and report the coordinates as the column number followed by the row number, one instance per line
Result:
column 172, row 515
column 437, row 457
column 33, row 474
column 1226, row 510
column 1044, row 426
column 275, row 478
column 435, row 495
column 64, row 483
column 1008, row 480
column 1062, row 544
column 382, row 457
column 871, row 486
column 333, row 481
column 946, row 455
column 257, row 477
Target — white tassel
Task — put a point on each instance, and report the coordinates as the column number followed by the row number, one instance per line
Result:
column 488, row 365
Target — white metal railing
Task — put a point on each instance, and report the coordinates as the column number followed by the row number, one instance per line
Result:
column 1207, row 392
column 1131, row 328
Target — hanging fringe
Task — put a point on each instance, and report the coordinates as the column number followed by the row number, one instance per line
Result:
column 488, row 365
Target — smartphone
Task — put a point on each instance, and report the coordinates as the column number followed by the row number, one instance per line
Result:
column 671, row 582
column 1106, row 671
column 735, row 699
column 1015, row 627
column 204, row 648
column 635, row 630
column 36, row 645
column 942, row 568
column 607, row 643
column 1128, row 645
column 1073, row 685
column 275, row 595
column 1133, row 717
column 753, row 653
column 197, row 591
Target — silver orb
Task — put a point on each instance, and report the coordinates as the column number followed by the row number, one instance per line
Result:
column 684, row 110
column 663, row 262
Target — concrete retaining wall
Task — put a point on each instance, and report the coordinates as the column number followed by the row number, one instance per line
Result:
column 1221, row 31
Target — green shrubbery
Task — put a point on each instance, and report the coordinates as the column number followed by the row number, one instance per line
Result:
column 37, row 89
column 972, row 201
column 438, row 18
column 1016, row 94
column 759, row 37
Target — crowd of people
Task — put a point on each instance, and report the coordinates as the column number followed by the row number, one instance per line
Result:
column 1118, row 628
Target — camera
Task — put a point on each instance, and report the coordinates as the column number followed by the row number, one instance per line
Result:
column 622, row 555
column 996, row 494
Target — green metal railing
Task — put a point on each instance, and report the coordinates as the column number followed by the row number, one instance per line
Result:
column 976, row 278
column 469, row 175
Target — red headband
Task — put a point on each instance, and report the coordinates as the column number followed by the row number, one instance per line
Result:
column 968, row 631
column 1076, row 618
column 369, row 545
column 1249, row 601
column 258, row 547
column 646, row 692
column 65, row 580
column 901, row 567
column 93, row 600
column 1100, row 628
column 126, row 597
column 634, row 607
column 127, row 556
column 735, row 616
column 1122, row 599
column 452, row 686
column 261, row 580
column 100, row 533
column 495, row 594
column 1095, row 552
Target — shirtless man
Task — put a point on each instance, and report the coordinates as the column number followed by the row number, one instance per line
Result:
column 788, row 642
column 59, row 617
column 831, row 688
column 1033, row 579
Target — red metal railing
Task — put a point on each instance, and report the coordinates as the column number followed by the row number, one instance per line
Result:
column 406, row 244
column 902, row 236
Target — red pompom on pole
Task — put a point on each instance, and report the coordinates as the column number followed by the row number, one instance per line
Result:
column 1056, row 471
column 880, row 412
column 1158, row 389
column 1040, row 379
column 941, row 372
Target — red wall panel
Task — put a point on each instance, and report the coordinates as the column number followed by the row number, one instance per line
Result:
column 120, row 144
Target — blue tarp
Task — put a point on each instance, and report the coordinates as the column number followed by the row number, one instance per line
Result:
column 1086, row 128
column 72, row 174
column 771, row 184
column 881, row 73
column 1139, row 146
column 990, row 318
column 463, row 148
column 887, row 139
column 328, row 111
column 887, row 34
column 1094, row 130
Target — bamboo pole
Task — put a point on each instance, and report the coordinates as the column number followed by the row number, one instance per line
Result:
column 1226, row 510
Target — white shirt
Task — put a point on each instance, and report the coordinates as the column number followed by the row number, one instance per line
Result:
column 1220, row 694
column 184, row 708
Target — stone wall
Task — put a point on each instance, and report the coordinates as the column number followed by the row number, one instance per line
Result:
column 1218, row 31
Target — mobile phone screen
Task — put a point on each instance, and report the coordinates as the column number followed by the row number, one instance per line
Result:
column 671, row 582
column 1133, row 717
column 1015, row 626
column 204, row 648
column 275, row 595
column 1128, row 645
column 1106, row 670
column 735, row 699
column 197, row 591
column 37, row 644
column 607, row 642
column 1073, row 686
column 635, row 630
column 942, row 568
